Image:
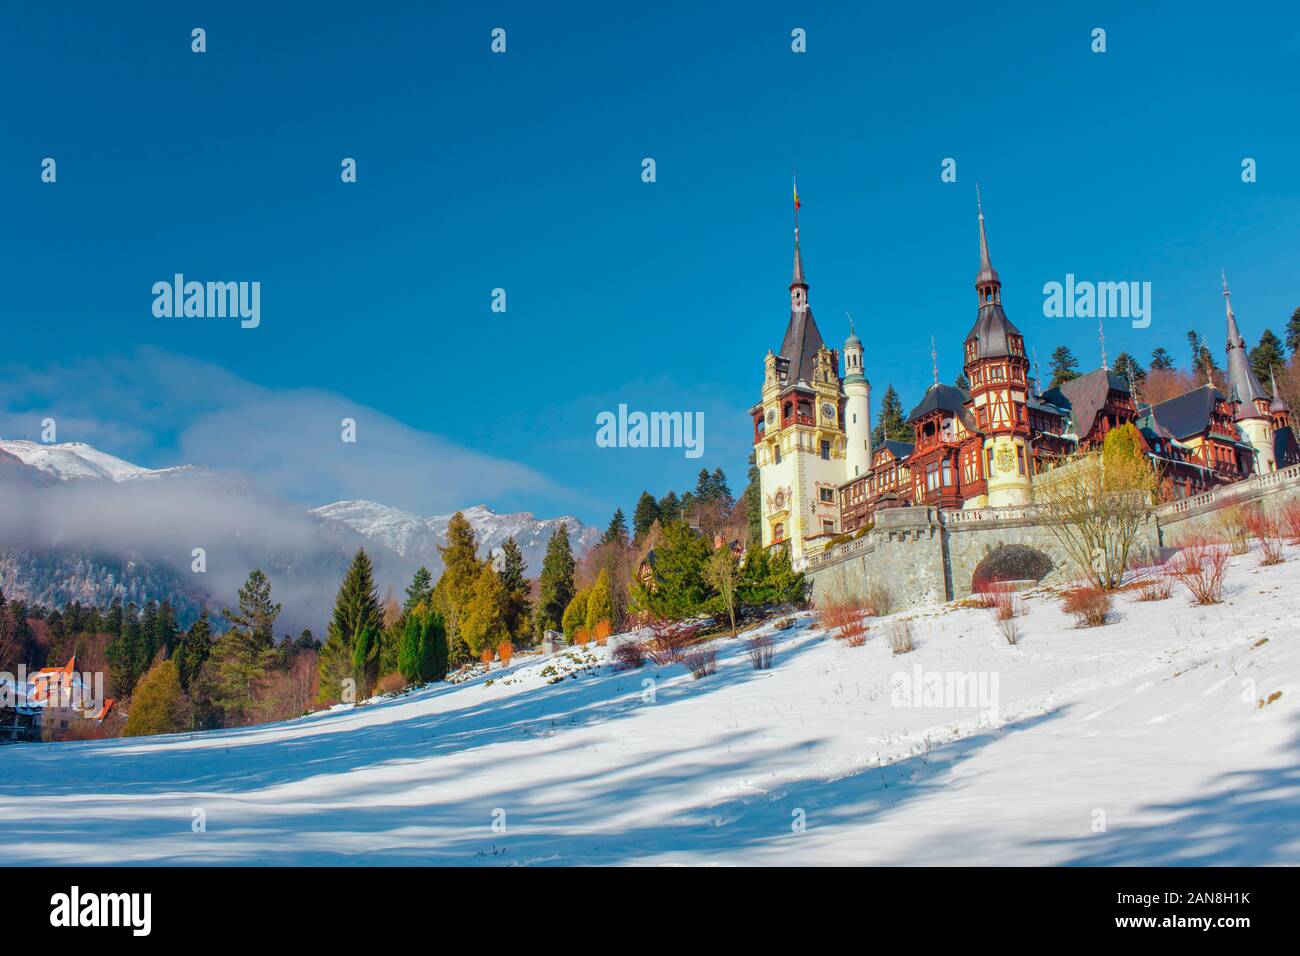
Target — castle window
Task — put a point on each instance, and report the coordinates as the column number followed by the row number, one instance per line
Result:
column 1020, row 457
column 828, row 526
column 827, row 494
column 826, row 451
column 776, row 455
column 778, row 531
column 947, row 472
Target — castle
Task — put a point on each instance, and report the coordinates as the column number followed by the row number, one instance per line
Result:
column 981, row 446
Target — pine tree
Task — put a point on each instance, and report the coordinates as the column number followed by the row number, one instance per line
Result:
column 670, row 509
column 1064, row 366
column 513, row 578
column 890, row 423
column 1161, row 360
column 600, row 602
column 433, row 647
column 961, row 382
column 1203, row 363
column 194, row 650
column 158, row 704
column 703, row 486
column 1293, row 333
column 644, row 515
column 1127, row 368
column 617, row 530
column 356, row 608
column 1267, row 355
column 256, row 614
column 719, row 489
column 365, row 660
column 420, row 590
column 555, row 585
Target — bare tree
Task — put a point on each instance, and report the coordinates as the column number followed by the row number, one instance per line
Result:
column 1096, row 506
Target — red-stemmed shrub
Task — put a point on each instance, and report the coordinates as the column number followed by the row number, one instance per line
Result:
column 668, row 641
column 1265, row 527
column 629, row 654
column 760, row 651
column 1089, row 605
column 701, row 661
column 1201, row 566
column 1291, row 521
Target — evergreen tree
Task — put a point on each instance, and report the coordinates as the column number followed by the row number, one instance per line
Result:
column 679, row 574
column 1293, row 333
column 1161, row 360
column 575, row 614
column 513, row 578
column 1064, row 366
column 645, row 514
column 194, row 651
column 356, row 608
column 484, row 621
column 719, row 489
column 1203, row 363
column 555, row 585
column 1267, row 355
column 670, row 509
column 365, row 660
column 600, row 602
column 420, row 590
column 241, row 657
column 617, row 530
column 255, row 614
column 703, row 486
column 1127, row 368
column 754, row 504
column 461, row 569
column 891, row 425
column 961, row 382
column 158, row 704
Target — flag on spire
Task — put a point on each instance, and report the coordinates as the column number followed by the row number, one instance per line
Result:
column 796, row 193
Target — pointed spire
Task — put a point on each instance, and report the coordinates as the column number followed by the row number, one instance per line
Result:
column 934, row 362
column 1243, row 386
column 987, row 282
column 1279, row 403
column 1101, row 337
column 1037, row 390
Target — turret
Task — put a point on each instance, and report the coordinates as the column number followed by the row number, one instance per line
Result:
column 857, row 408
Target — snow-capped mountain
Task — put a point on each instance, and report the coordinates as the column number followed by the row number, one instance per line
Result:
column 79, row 524
column 417, row 538
column 72, row 461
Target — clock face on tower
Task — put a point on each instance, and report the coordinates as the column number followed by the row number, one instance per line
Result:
column 771, row 415
column 828, row 412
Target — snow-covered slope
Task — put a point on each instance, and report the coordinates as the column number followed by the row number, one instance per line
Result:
column 1141, row 742
column 416, row 537
column 68, row 461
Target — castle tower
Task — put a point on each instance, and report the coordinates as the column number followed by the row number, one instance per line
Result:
column 1278, row 408
column 857, row 409
column 799, row 439
column 998, row 373
column 1254, row 414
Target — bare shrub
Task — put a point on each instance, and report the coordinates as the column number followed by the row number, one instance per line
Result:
column 629, row 654
column 1233, row 524
column 1267, row 529
column 855, row 634
column 1156, row 585
column 1089, row 605
column 1200, row 566
column 603, row 630
column 1291, row 521
column 760, row 651
column 900, row 637
column 505, row 651
column 701, row 661
column 668, row 641
column 1010, row 629
column 1002, row 599
column 582, row 638
column 879, row 601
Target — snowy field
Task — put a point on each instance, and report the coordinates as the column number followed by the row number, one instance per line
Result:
column 1141, row 742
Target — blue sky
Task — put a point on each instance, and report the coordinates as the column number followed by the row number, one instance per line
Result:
column 522, row 171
